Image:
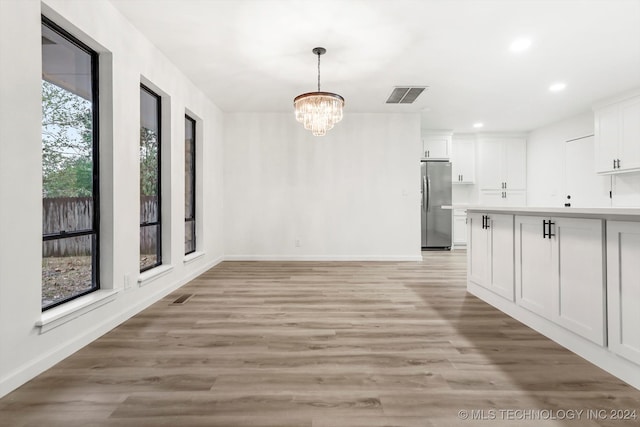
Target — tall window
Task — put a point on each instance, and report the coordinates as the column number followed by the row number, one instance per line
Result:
column 69, row 167
column 189, row 185
column 150, row 215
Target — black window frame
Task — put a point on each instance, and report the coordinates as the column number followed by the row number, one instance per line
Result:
column 190, row 217
column 95, row 178
column 158, row 222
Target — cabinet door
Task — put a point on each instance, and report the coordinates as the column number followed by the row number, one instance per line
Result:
column 493, row 197
column 607, row 137
column 534, row 290
column 515, row 198
column 490, row 161
column 436, row 147
column 629, row 145
column 463, row 159
column 459, row 229
column 501, row 249
column 478, row 255
column 515, row 167
column 579, row 299
column 623, row 288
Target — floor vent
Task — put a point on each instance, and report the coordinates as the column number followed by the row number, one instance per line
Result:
column 182, row 299
column 405, row 94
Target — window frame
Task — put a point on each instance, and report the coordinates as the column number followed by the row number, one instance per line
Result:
column 190, row 217
column 158, row 222
column 95, row 178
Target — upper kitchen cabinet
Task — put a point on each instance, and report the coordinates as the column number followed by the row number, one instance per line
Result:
column 502, row 164
column 463, row 159
column 436, row 145
column 617, row 135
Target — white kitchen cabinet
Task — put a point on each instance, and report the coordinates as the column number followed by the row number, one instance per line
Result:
column 436, row 145
column 502, row 164
column 617, row 136
column 533, row 266
column 551, row 278
column 503, row 197
column 623, row 288
column 490, row 261
column 463, row 160
column 459, row 227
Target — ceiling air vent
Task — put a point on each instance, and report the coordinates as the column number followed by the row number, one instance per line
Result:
column 405, row 95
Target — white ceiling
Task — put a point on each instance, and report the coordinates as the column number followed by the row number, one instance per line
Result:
column 255, row 55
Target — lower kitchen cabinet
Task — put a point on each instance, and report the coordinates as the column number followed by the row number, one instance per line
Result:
column 623, row 288
column 490, row 261
column 533, row 266
column 560, row 272
column 576, row 277
column 459, row 227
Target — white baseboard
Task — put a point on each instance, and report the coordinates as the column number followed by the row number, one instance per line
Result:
column 46, row 360
column 622, row 368
column 398, row 258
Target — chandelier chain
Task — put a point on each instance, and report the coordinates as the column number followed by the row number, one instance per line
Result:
column 318, row 71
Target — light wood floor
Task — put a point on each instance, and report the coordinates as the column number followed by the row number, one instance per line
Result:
column 320, row 344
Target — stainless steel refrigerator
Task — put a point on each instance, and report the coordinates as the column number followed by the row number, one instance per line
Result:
column 436, row 204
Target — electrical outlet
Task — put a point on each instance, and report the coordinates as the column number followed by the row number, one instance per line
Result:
column 298, row 243
column 127, row 281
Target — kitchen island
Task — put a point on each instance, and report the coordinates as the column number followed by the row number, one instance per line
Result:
column 572, row 274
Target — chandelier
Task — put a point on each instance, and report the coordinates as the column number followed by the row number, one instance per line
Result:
column 318, row 111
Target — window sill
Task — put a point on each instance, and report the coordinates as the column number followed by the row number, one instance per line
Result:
column 153, row 274
column 66, row 312
column 188, row 259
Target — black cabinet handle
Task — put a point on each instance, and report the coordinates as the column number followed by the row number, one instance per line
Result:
column 618, row 163
column 614, row 163
column 485, row 222
column 546, row 233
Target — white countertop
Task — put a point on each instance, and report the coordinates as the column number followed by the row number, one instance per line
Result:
column 622, row 214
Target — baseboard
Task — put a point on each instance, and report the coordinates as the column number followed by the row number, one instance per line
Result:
column 35, row 367
column 617, row 366
column 398, row 258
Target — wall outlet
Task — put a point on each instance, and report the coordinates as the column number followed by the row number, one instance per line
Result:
column 298, row 243
column 127, row 281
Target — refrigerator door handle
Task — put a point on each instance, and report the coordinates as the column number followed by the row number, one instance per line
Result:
column 424, row 193
column 428, row 194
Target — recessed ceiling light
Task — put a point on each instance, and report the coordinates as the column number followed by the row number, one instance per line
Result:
column 557, row 87
column 478, row 125
column 520, row 44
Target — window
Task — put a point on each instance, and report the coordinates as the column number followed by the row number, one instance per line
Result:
column 70, row 219
column 150, row 203
column 189, row 185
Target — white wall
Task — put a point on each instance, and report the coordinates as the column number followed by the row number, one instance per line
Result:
column 125, row 58
column 546, row 158
column 351, row 194
column 549, row 167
